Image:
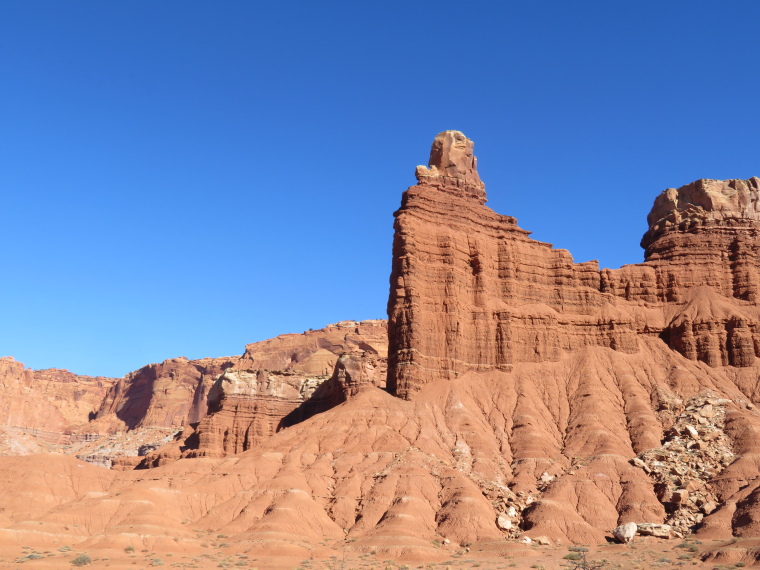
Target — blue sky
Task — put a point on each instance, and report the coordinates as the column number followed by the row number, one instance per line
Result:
column 180, row 178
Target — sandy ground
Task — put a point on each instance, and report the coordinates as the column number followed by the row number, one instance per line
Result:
column 643, row 554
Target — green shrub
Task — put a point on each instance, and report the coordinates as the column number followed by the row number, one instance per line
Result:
column 81, row 560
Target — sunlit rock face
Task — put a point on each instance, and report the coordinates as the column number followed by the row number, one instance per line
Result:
column 470, row 291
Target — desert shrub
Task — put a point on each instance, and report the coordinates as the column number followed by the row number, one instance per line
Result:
column 81, row 560
column 129, row 549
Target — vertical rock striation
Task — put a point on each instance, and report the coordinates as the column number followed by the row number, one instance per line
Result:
column 470, row 291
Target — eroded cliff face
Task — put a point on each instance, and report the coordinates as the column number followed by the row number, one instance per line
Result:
column 471, row 291
column 278, row 383
column 587, row 368
column 118, row 422
column 40, row 408
column 170, row 394
column 247, row 407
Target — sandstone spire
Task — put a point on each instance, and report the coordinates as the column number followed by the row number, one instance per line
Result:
column 453, row 167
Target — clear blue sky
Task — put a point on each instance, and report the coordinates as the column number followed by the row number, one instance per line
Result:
column 185, row 177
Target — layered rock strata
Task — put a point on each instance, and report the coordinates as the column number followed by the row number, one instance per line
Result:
column 470, row 291
column 247, row 407
column 116, row 422
column 280, row 382
column 591, row 364
column 45, row 407
column 175, row 392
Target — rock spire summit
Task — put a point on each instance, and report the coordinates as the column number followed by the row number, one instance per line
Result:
column 453, row 167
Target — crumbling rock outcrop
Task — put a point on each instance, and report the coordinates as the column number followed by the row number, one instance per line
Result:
column 280, row 382
column 247, row 407
column 316, row 352
column 175, row 393
column 453, row 167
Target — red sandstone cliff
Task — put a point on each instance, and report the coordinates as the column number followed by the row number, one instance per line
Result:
column 587, row 363
column 44, row 407
column 280, row 382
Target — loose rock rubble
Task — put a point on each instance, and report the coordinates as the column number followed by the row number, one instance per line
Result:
column 694, row 451
column 509, row 507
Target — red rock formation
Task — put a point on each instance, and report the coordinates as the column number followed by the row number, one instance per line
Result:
column 537, row 396
column 174, row 392
column 47, row 404
column 279, row 382
column 316, row 352
column 169, row 394
column 473, row 295
column 471, row 291
column 247, row 407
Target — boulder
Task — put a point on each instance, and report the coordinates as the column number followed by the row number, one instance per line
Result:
column 625, row 532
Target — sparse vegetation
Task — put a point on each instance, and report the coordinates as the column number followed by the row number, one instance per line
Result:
column 577, row 556
column 81, row 560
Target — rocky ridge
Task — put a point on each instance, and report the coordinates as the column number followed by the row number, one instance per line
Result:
column 120, row 423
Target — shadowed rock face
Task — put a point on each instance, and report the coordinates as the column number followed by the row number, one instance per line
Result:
column 280, row 382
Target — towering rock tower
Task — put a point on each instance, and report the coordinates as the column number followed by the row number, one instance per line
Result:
column 470, row 291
